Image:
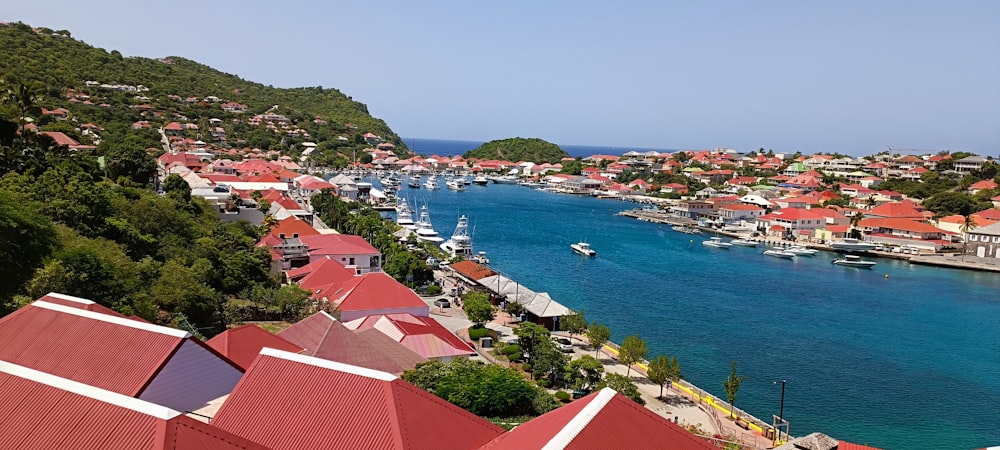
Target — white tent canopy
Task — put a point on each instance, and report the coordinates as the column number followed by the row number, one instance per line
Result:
column 539, row 304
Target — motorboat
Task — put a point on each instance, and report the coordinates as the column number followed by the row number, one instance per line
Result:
column 432, row 183
column 460, row 243
column 799, row 250
column 404, row 215
column 414, row 183
column 583, row 248
column 854, row 261
column 480, row 180
column 425, row 231
column 852, row 245
column 744, row 242
column 481, row 258
column 779, row 253
column 505, row 179
column 716, row 242
column 455, row 185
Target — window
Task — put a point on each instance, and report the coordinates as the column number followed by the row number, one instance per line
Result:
column 973, row 238
column 996, row 238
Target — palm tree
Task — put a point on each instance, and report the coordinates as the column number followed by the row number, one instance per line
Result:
column 855, row 220
column 870, row 202
column 968, row 225
column 24, row 97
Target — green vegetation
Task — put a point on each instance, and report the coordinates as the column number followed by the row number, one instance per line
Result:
column 633, row 350
column 487, row 390
column 663, row 369
column 478, row 308
column 598, row 334
column 623, row 385
column 732, row 386
column 519, row 149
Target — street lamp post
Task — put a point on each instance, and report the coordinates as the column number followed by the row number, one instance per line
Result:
column 781, row 409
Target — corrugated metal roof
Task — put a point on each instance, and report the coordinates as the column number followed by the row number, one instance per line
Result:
column 423, row 335
column 291, row 401
column 324, row 337
column 77, row 302
column 375, row 291
column 604, row 419
column 242, row 344
column 109, row 352
column 43, row 411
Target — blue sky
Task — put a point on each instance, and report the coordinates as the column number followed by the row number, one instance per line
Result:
column 847, row 76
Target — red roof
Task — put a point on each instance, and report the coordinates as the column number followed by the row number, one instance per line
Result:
column 324, row 337
column 604, row 419
column 242, row 344
column 338, row 244
column 472, row 270
column 899, row 209
column 292, row 226
column 375, row 291
column 904, row 224
column 47, row 411
column 77, row 302
column 291, row 401
column 423, row 335
column 321, row 277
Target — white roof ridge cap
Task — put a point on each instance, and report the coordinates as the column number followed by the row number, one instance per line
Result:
column 327, row 364
column 123, row 321
column 70, row 298
column 86, row 390
column 573, row 428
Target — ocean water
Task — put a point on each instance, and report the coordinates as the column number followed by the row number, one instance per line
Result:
column 444, row 147
column 899, row 357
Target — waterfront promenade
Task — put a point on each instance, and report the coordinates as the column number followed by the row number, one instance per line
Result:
column 683, row 403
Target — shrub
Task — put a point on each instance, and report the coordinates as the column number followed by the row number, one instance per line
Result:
column 563, row 396
column 433, row 289
column 526, row 367
column 544, row 383
column 477, row 333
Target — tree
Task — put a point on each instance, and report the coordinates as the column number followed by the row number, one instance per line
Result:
column 177, row 189
column 598, row 334
column 127, row 160
column 947, row 203
column 584, row 372
column 478, row 308
column 487, row 390
column 633, row 350
column 732, row 386
column 574, row 323
column 623, row 385
column 26, row 239
column 856, row 219
column 663, row 369
column 968, row 224
column 264, row 206
column 531, row 335
column 547, row 362
column 23, row 97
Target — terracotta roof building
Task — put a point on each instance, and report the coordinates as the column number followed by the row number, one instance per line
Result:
column 138, row 359
column 376, row 293
column 44, row 411
column 292, row 401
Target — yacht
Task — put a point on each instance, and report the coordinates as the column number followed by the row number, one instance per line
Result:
column 854, row 261
column 505, row 179
column 425, row 231
column 414, row 183
column 779, row 253
column 852, row 245
column 455, row 185
column 432, row 183
column 799, row 250
column 743, row 242
column 404, row 215
column 583, row 248
column 460, row 243
column 480, row 180
column 716, row 242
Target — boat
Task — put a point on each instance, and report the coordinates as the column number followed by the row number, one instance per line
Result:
column 414, row 183
column 716, row 242
column 404, row 215
column 852, row 245
column 779, row 253
column 799, row 250
column 505, row 179
column 480, row 180
column 854, row 261
column 455, row 185
column 743, row 242
column 460, row 243
column 481, row 258
column 425, row 231
column 432, row 183
column 583, row 248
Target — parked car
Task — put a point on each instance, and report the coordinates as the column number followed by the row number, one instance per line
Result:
column 442, row 303
column 563, row 344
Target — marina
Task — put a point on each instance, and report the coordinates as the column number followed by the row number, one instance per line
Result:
column 698, row 305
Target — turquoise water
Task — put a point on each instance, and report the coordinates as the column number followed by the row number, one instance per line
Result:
column 909, row 361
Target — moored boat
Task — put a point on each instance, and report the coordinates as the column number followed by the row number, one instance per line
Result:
column 799, row 250
column 716, row 242
column 455, row 185
column 743, row 242
column 460, row 243
column 480, row 180
column 425, row 231
column 779, row 253
column 854, row 261
column 583, row 248
column 852, row 245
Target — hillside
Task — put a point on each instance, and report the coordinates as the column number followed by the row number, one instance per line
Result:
column 519, row 149
column 61, row 64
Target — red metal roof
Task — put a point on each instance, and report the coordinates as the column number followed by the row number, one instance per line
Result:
column 324, row 337
column 77, row 302
column 242, row 344
column 338, row 244
column 472, row 270
column 375, row 291
column 292, row 401
column 423, row 335
column 108, row 352
column 604, row 419
column 43, row 411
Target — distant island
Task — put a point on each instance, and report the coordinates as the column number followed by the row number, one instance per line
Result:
column 519, row 149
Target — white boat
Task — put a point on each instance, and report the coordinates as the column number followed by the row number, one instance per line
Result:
column 716, row 242
column 505, row 179
column 779, row 253
column 432, row 183
column 481, row 258
column 455, row 185
column 583, row 248
column 852, row 245
column 480, row 180
column 854, row 261
column 425, row 231
column 743, row 242
column 404, row 215
column 460, row 243
column 799, row 250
